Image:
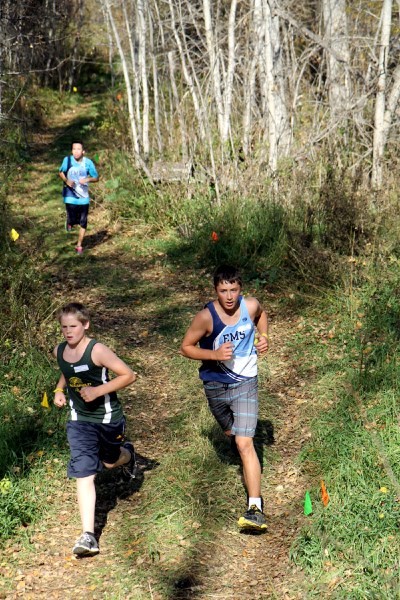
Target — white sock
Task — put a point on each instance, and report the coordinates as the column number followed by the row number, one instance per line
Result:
column 256, row 501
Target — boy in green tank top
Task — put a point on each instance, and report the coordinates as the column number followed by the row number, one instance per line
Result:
column 96, row 426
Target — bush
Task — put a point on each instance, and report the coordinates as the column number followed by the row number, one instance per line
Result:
column 16, row 508
column 246, row 232
column 344, row 221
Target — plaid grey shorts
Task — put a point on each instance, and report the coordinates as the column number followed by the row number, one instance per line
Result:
column 234, row 405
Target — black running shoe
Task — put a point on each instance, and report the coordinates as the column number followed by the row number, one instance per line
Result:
column 86, row 545
column 253, row 518
column 129, row 470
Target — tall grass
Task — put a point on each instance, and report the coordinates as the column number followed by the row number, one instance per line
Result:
column 26, row 427
column 351, row 547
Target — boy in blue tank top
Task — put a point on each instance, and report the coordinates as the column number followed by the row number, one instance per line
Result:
column 223, row 337
column 96, row 426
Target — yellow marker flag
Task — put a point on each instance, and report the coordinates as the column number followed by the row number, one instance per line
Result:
column 45, row 402
column 14, row 235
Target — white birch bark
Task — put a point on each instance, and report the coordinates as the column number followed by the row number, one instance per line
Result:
column 143, row 77
column 266, row 23
column 249, row 87
column 336, row 37
column 213, row 54
column 175, row 95
column 380, row 101
column 156, row 103
column 279, row 85
column 135, row 84
column 125, row 70
column 110, row 45
column 392, row 102
column 228, row 87
column 269, row 92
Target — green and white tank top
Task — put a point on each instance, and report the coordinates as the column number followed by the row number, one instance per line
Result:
column 105, row 409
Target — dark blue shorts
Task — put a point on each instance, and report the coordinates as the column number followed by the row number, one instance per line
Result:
column 77, row 214
column 91, row 444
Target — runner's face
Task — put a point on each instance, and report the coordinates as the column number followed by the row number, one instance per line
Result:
column 73, row 330
column 228, row 295
column 77, row 151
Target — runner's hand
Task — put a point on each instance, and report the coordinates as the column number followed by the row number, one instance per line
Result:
column 262, row 345
column 88, row 393
column 60, row 399
column 224, row 352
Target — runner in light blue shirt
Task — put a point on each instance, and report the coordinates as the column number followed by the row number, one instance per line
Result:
column 77, row 172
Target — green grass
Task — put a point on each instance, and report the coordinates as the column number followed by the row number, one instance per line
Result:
column 28, row 432
column 351, row 547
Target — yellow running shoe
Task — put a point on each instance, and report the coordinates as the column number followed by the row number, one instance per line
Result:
column 253, row 519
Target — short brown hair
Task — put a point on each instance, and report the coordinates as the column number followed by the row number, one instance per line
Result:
column 227, row 273
column 77, row 309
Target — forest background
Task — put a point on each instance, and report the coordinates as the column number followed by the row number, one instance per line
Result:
column 258, row 132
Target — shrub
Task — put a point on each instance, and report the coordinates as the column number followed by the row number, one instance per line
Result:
column 16, row 508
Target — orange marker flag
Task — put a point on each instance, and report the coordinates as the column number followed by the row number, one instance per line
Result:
column 324, row 494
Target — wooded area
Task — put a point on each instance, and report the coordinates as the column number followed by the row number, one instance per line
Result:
column 252, row 86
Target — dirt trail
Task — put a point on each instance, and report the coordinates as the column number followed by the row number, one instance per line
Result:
column 233, row 566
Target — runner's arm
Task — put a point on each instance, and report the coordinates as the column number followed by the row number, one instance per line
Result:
column 92, row 175
column 88, row 179
column 261, row 322
column 201, row 326
column 104, row 357
column 59, row 395
column 67, row 181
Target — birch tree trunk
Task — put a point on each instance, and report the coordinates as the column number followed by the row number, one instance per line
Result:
column 272, row 80
column 336, row 37
column 135, row 85
column 250, row 86
column 110, row 45
column 228, row 87
column 175, row 95
column 156, row 102
column 125, row 70
column 213, row 54
column 380, row 101
column 143, row 77
column 279, row 84
column 392, row 103
column 50, row 36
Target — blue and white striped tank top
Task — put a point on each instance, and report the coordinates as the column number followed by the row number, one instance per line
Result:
column 243, row 364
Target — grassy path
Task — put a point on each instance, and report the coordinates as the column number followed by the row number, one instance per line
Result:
column 142, row 302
